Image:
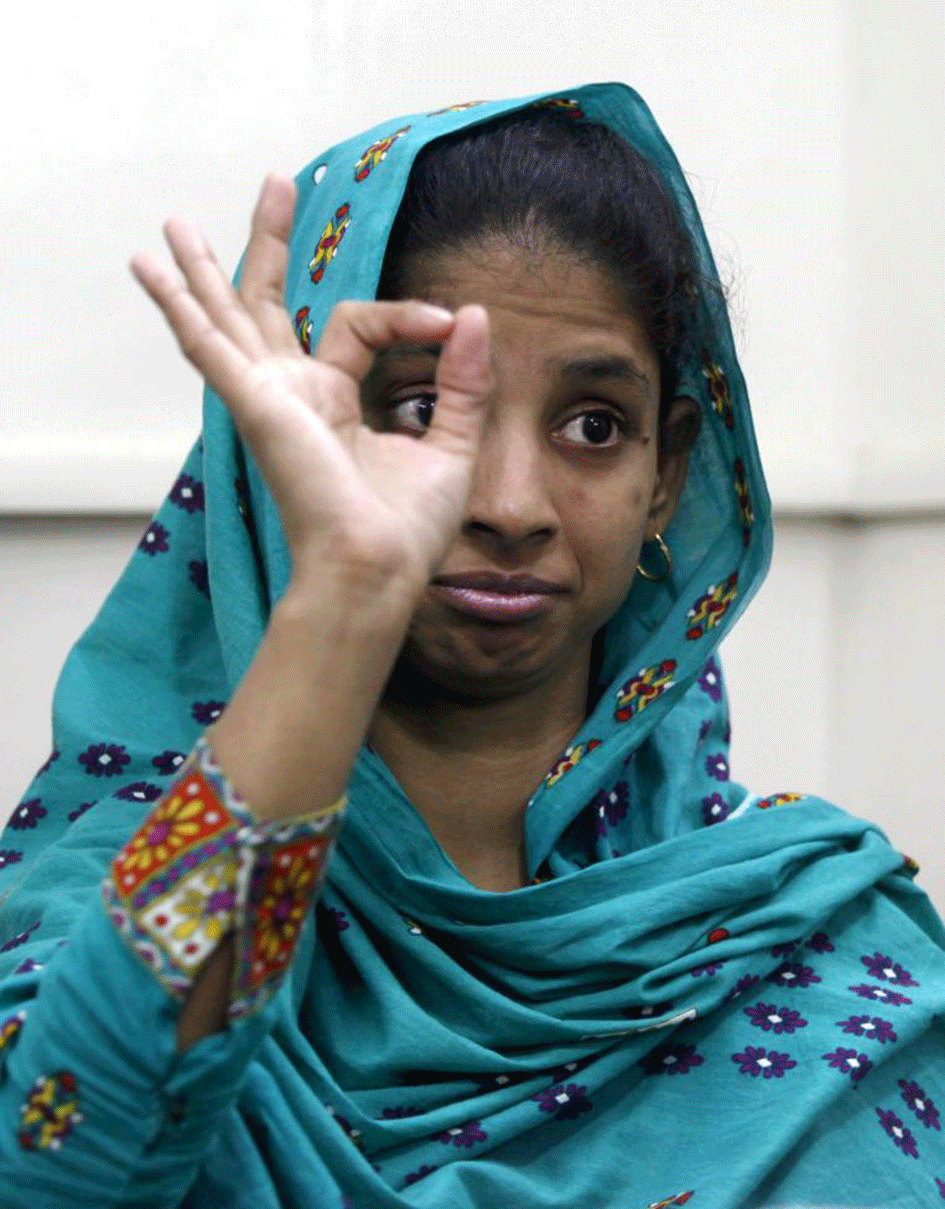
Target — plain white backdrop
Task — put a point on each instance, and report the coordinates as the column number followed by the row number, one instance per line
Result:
column 813, row 134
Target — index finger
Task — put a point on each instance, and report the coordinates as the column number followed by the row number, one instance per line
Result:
column 357, row 331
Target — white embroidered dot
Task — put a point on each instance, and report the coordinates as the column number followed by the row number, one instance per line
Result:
column 889, row 973
column 285, row 859
column 669, row 1059
column 788, row 974
column 104, row 759
column 764, row 1061
column 879, row 993
column 319, row 174
column 897, row 1131
column 562, row 1097
column 868, row 1025
column 853, row 1062
column 211, row 817
column 186, row 491
column 501, row 1080
column 128, row 878
column 775, row 1019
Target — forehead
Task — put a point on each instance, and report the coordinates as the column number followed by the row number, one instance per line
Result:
column 554, row 306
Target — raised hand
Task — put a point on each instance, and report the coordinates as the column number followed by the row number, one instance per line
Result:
column 374, row 504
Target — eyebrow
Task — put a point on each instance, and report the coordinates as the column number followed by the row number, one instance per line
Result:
column 611, row 365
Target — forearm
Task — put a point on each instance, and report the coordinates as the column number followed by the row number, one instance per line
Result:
column 289, row 737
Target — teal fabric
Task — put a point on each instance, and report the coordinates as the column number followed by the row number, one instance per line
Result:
column 709, row 996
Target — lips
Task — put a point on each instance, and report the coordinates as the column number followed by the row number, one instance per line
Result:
column 494, row 581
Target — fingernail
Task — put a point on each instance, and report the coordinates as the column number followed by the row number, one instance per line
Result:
column 436, row 314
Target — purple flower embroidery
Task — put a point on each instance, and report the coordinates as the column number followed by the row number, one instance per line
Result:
column 341, row 923
column 820, row 943
column 20, row 939
column 671, row 1058
column 105, row 759
column 756, row 1061
column 793, row 974
column 418, row 1174
column 79, row 811
column 784, row 950
column 941, row 1187
column 717, row 767
column 707, row 969
column 857, row 1066
column 154, row 539
column 27, row 966
column 920, row 1104
column 710, row 681
column 767, row 1017
column 704, row 728
column 745, row 983
column 198, row 575
column 46, row 767
column 610, row 808
column 898, row 1132
column 869, row 1026
column 565, row 1101
column 168, row 762
column 397, row 1114
column 714, row 809
column 206, row 712
column 9, row 856
column 463, row 1135
column 27, row 814
column 865, row 991
column 139, row 791
column 880, row 966
column 187, row 493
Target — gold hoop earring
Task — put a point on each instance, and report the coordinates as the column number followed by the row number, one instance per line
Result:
column 669, row 563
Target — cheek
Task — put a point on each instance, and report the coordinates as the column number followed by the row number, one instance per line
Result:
column 607, row 534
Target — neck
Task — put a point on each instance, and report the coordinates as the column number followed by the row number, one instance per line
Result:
column 470, row 766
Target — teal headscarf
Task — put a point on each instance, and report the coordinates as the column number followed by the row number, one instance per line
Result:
column 706, row 994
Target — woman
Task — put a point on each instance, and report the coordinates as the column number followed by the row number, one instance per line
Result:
column 554, row 956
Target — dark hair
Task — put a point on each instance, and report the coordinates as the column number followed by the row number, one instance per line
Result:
column 543, row 174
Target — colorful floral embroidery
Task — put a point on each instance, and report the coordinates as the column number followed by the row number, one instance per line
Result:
column 463, row 1135
column 778, row 799
column 681, row 1198
column 718, row 934
column 919, row 1103
column 757, row 1061
column 671, row 1058
column 561, row 105
column 565, row 1101
column 51, row 1112
column 857, row 1066
column 10, row 1028
column 880, row 966
column 718, row 388
column 200, row 867
column 898, row 1132
column 769, row 1019
column 910, row 866
column 744, row 501
column 711, row 607
column 648, row 684
column 303, row 328
column 375, row 153
column 572, row 755
column 869, row 1026
column 328, row 244
column 455, row 108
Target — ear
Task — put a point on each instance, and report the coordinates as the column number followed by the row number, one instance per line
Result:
column 677, row 437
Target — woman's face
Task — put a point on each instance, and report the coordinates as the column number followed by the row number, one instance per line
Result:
column 567, row 484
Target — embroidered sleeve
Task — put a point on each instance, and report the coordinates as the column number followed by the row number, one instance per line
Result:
column 201, row 866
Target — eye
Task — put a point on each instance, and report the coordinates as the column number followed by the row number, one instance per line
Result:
column 596, row 425
column 425, row 401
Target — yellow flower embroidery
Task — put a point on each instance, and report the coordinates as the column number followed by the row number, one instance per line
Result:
column 170, row 828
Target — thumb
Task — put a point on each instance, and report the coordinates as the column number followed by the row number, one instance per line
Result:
column 464, row 378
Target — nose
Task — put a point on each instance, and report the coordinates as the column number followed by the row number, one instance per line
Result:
column 509, row 501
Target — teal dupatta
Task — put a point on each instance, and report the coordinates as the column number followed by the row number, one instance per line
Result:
column 707, row 995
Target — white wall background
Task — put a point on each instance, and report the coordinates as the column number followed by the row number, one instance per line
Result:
column 814, row 137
